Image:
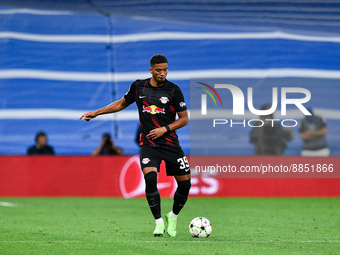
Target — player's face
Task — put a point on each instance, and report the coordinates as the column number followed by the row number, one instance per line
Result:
column 159, row 72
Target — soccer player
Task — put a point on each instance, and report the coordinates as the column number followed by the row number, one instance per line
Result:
column 158, row 100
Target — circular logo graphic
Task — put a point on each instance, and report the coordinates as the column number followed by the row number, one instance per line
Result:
column 131, row 180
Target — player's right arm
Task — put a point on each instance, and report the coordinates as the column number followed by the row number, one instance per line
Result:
column 111, row 108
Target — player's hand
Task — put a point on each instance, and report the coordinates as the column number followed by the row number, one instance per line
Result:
column 88, row 116
column 155, row 133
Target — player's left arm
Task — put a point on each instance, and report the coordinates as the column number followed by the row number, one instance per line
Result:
column 182, row 121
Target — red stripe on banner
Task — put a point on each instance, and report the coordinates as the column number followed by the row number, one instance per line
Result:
column 120, row 176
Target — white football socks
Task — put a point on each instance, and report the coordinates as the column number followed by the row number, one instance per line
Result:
column 174, row 216
column 160, row 220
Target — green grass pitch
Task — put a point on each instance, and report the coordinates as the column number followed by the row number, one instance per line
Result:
column 124, row 226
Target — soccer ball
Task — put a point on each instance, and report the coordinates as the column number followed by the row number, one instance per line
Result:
column 200, row 227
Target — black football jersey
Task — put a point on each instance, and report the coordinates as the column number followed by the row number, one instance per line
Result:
column 157, row 107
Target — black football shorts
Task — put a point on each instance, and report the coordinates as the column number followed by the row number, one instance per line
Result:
column 176, row 162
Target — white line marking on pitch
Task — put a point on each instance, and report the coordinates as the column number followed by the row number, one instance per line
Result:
column 7, row 204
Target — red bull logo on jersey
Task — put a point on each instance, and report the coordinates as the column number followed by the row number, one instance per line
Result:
column 153, row 109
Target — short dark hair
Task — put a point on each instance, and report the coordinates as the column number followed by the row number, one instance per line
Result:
column 41, row 133
column 108, row 141
column 106, row 136
column 158, row 59
column 266, row 107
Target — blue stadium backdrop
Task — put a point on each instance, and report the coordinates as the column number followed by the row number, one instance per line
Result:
column 57, row 64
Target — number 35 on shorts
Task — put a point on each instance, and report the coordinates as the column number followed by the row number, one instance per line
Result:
column 183, row 163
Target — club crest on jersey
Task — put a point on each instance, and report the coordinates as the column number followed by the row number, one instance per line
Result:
column 145, row 161
column 164, row 100
column 153, row 109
